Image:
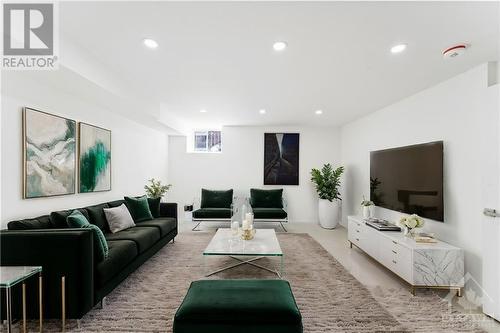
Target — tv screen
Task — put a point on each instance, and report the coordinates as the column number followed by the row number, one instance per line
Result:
column 409, row 179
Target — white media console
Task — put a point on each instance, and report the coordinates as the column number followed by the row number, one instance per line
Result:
column 423, row 265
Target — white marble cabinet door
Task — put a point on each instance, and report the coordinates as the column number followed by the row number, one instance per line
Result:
column 438, row 267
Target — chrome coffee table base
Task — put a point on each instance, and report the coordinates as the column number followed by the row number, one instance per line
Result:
column 251, row 262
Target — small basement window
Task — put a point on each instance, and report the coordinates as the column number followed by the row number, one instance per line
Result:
column 207, row 141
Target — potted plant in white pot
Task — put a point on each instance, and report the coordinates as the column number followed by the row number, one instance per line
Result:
column 366, row 208
column 327, row 182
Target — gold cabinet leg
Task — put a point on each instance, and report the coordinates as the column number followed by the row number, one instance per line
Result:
column 350, row 245
column 24, row 307
column 63, row 303
column 40, row 303
column 459, row 292
column 413, row 290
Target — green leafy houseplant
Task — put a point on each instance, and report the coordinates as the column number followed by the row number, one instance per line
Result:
column 155, row 189
column 366, row 203
column 327, row 182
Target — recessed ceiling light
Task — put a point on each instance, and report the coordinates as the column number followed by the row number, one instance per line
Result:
column 203, row 111
column 398, row 48
column 151, row 43
column 262, row 111
column 318, row 111
column 279, row 46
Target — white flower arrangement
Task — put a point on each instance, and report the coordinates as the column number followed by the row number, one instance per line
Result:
column 412, row 221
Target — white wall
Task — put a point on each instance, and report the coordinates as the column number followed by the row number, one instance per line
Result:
column 240, row 166
column 138, row 152
column 456, row 111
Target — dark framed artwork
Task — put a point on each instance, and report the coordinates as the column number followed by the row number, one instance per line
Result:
column 281, row 158
column 49, row 154
column 94, row 158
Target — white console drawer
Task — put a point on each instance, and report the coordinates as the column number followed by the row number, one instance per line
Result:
column 356, row 234
column 396, row 257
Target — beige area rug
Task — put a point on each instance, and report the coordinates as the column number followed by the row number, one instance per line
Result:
column 329, row 297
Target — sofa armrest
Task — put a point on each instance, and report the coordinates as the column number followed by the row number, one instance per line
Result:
column 168, row 209
column 60, row 252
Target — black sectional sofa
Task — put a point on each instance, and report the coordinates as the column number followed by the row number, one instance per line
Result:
column 48, row 242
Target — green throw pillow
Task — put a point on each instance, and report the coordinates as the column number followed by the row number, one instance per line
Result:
column 139, row 208
column 78, row 220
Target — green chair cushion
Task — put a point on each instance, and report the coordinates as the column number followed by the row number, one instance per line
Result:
column 266, row 198
column 212, row 213
column 164, row 224
column 144, row 237
column 139, row 208
column 269, row 213
column 97, row 217
column 238, row 306
column 154, row 206
column 121, row 253
column 77, row 220
column 216, row 199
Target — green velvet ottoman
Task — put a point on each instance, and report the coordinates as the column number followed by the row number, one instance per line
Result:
column 238, row 306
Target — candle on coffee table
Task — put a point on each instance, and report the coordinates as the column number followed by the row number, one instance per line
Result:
column 245, row 225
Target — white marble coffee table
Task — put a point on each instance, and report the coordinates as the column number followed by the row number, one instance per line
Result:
column 264, row 244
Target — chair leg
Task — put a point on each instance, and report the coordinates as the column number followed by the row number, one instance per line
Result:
column 196, row 226
column 283, row 226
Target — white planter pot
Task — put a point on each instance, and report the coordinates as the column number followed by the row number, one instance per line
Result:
column 366, row 211
column 329, row 213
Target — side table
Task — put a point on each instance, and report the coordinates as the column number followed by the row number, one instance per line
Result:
column 13, row 275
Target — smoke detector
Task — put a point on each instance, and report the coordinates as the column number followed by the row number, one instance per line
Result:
column 455, row 51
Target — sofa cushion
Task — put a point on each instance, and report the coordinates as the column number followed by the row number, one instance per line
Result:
column 164, row 224
column 238, row 305
column 116, row 203
column 58, row 218
column 269, row 213
column 144, row 237
column 77, row 220
column 216, row 199
column 154, row 206
column 121, row 253
column 97, row 217
column 139, row 208
column 266, row 198
column 212, row 213
column 41, row 222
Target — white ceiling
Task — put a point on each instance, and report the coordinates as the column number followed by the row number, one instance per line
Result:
column 218, row 56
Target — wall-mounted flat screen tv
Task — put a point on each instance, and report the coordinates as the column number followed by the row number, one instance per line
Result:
column 409, row 179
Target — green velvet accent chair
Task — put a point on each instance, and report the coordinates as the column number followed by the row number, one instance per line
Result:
column 269, row 206
column 215, row 206
column 243, row 306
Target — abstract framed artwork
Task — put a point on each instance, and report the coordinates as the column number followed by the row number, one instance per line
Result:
column 281, row 158
column 49, row 154
column 94, row 159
